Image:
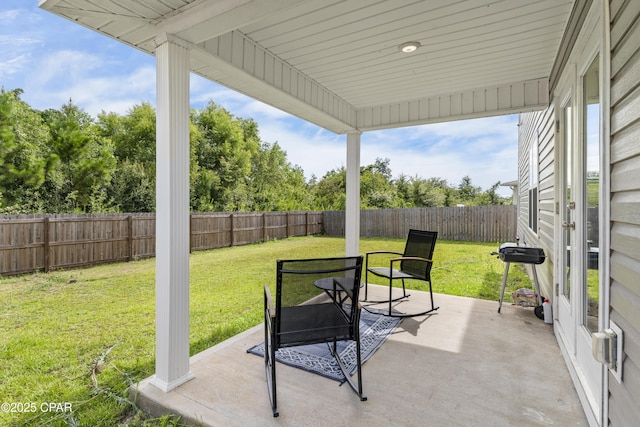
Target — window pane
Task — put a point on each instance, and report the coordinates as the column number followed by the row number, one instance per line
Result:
column 567, row 209
column 592, row 195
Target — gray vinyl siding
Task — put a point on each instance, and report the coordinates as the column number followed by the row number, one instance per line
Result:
column 625, row 205
column 537, row 128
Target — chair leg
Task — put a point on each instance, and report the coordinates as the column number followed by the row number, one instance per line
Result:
column 390, row 312
column 357, row 388
column 392, row 300
column 366, row 279
column 270, row 372
column 359, row 369
column 431, row 295
column 390, row 295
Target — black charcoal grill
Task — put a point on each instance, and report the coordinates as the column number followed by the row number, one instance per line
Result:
column 512, row 252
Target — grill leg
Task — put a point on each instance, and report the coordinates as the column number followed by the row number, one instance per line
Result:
column 504, row 283
column 535, row 281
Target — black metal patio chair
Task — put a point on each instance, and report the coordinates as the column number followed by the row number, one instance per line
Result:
column 413, row 264
column 303, row 314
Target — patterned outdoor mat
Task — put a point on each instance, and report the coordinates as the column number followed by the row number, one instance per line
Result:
column 316, row 358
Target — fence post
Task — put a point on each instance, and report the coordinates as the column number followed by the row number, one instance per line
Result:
column 306, row 223
column 264, row 227
column 45, row 237
column 287, row 216
column 190, row 232
column 231, row 230
column 130, row 236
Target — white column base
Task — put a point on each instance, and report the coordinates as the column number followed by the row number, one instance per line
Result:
column 168, row 386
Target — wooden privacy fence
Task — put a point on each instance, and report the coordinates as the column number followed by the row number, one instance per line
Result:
column 470, row 223
column 42, row 243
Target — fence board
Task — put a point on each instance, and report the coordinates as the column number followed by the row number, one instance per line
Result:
column 468, row 223
column 42, row 242
column 31, row 242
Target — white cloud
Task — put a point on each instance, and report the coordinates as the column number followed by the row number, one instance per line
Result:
column 7, row 16
column 16, row 54
column 63, row 66
column 13, row 65
column 90, row 82
column 315, row 150
column 451, row 165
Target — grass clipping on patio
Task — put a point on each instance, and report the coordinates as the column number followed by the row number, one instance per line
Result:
column 78, row 339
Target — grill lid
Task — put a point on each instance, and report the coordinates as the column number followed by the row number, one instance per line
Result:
column 511, row 252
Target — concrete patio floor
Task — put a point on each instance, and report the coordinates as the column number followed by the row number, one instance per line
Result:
column 465, row 365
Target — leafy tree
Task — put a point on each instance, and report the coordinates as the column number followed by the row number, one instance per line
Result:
column 377, row 190
column 224, row 157
column 23, row 154
column 132, row 187
column 428, row 193
column 133, row 135
column 403, row 188
column 64, row 160
column 376, row 187
column 466, row 191
column 83, row 160
column 275, row 184
column 330, row 192
column 490, row 197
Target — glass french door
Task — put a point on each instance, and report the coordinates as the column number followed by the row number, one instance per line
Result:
column 578, row 277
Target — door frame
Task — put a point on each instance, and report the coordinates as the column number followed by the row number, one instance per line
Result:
column 574, row 339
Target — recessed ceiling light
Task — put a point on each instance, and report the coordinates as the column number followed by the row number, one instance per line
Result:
column 409, row 47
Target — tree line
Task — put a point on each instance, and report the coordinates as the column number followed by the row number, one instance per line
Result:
column 66, row 161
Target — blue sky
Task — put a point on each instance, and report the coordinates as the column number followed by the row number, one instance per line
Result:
column 54, row 60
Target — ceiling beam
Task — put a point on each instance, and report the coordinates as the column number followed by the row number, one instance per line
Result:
column 203, row 20
column 510, row 98
column 251, row 69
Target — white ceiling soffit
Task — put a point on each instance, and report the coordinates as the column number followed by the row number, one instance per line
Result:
column 337, row 63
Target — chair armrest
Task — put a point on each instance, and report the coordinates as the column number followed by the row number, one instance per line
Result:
column 383, row 252
column 269, row 302
column 411, row 258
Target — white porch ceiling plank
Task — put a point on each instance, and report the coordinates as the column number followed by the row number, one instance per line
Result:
column 435, row 54
column 287, row 18
column 126, row 25
column 332, row 24
column 437, row 43
column 152, row 9
column 373, row 34
column 495, row 63
column 440, row 79
column 102, row 16
column 368, row 92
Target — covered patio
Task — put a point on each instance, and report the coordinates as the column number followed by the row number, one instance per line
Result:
column 349, row 66
column 465, row 365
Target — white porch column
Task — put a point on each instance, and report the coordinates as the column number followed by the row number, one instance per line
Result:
column 352, row 209
column 172, row 216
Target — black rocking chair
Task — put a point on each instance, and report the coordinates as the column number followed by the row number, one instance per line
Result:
column 414, row 264
column 302, row 314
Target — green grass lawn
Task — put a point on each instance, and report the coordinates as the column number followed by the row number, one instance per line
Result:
column 80, row 338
